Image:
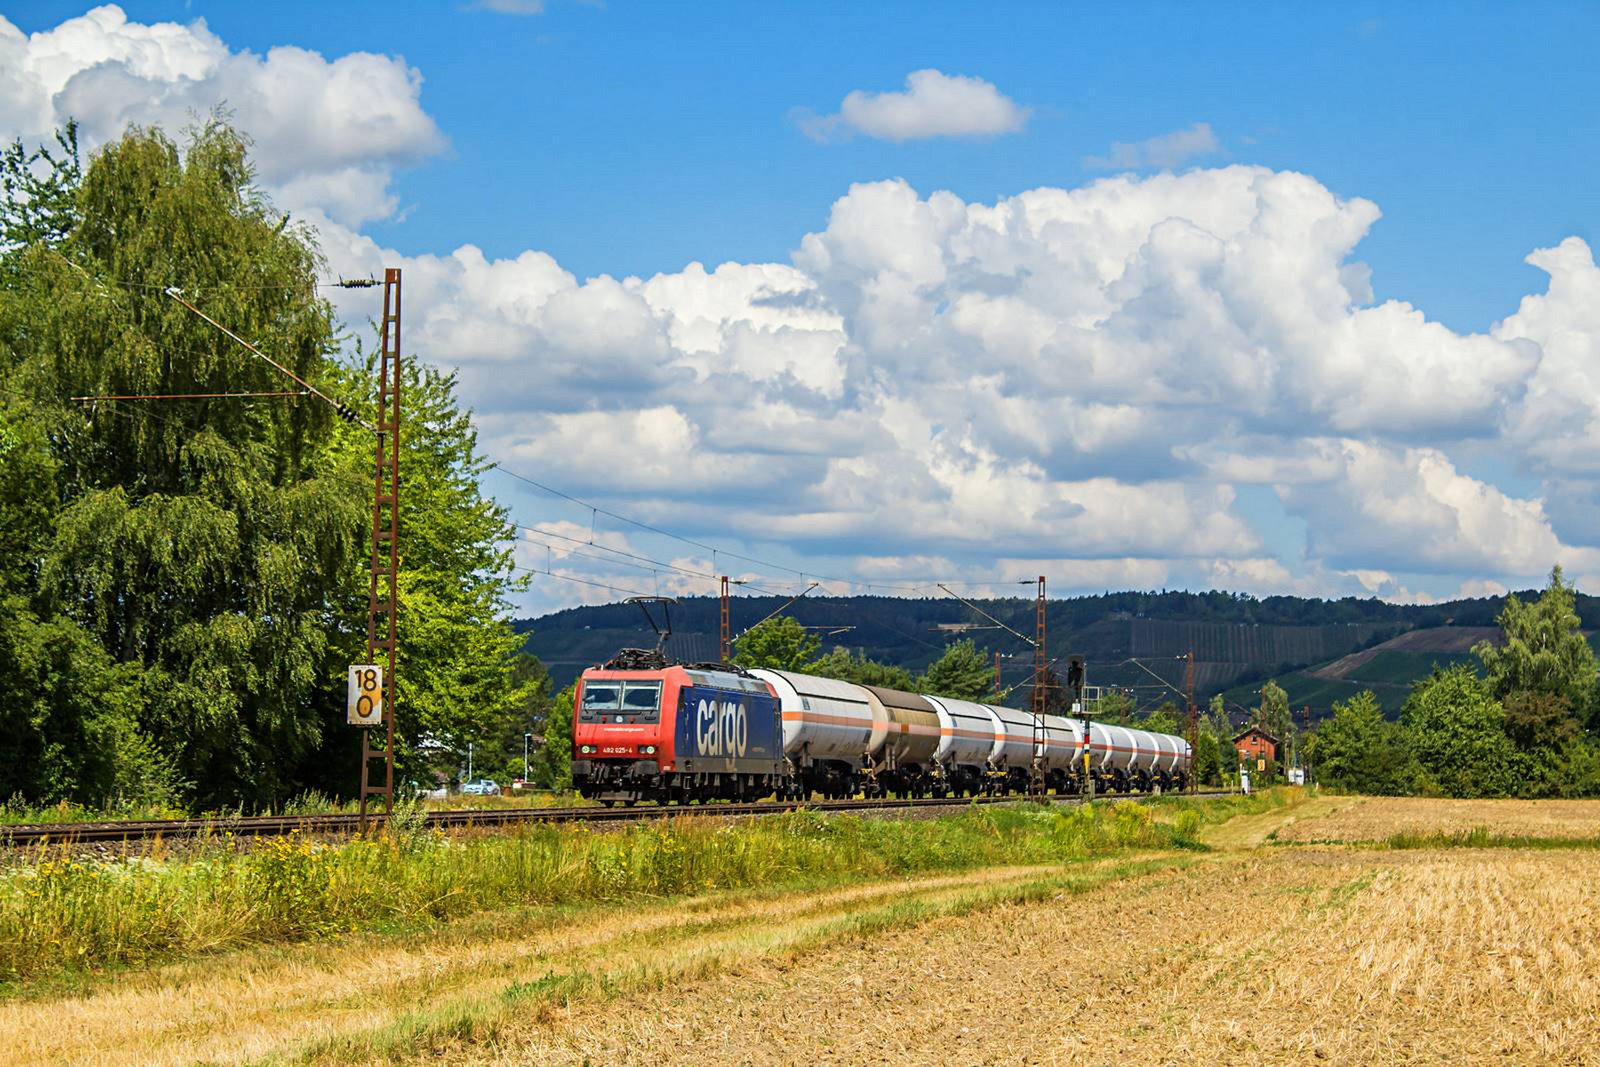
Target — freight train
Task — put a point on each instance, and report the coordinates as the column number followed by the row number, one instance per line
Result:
column 648, row 729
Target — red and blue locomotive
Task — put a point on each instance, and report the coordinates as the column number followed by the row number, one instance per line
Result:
column 645, row 729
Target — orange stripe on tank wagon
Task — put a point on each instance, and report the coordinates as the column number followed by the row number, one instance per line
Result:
column 827, row 720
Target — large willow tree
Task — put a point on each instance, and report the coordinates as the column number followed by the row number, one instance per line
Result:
column 184, row 579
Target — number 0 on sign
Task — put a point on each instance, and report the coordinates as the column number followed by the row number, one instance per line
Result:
column 364, row 700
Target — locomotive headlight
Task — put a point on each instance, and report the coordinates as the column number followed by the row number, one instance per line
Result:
column 586, row 749
column 648, row 750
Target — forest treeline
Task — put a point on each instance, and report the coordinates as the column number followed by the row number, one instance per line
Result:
column 183, row 582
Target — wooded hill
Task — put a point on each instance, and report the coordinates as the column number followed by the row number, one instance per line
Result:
column 1238, row 640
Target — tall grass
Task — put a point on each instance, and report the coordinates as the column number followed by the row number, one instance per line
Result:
column 57, row 912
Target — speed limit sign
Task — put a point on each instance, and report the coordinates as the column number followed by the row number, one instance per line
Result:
column 364, row 697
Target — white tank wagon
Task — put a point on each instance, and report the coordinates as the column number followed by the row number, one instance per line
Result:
column 970, row 739
column 1061, row 753
column 1124, row 758
column 832, row 731
column 905, row 763
column 1012, row 763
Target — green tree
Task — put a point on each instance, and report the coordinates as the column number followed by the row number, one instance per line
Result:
column 1218, row 713
column 1274, row 711
column 1358, row 750
column 962, row 672
column 552, row 765
column 1227, row 755
column 1457, row 732
column 1166, row 719
column 183, row 583
column 38, row 198
column 502, row 748
column 1208, row 758
column 841, row 665
column 779, row 643
column 197, row 540
column 1544, row 650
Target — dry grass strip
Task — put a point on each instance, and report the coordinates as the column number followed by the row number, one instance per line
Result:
column 1376, row 818
column 1455, row 956
column 245, row 1006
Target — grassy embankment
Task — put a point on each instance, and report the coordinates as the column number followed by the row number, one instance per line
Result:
column 60, row 915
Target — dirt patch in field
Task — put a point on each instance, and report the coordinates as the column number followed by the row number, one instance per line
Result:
column 1268, row 956
column 1376, row 818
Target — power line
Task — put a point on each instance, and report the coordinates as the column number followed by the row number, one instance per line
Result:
column 580, row 581
column 595, row 509
column 338, row 405
column 190, row 396
column 803, row 575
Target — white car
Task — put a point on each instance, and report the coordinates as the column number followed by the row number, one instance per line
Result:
column 480, row 787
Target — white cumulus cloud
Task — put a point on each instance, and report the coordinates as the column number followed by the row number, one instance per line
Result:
column 933, row 104
column 329, row 134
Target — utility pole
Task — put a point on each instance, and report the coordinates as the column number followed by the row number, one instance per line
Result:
column 997, row 695
column 1039, row 703
column 1194, row 717
column 383, row 599
column 727, row 643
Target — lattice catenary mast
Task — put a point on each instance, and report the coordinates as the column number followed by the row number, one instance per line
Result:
column 383, row 589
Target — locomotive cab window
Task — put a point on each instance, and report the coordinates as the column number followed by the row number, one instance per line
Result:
column 641, row 701
column 598, row 698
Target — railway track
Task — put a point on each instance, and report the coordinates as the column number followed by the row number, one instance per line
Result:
column 473, row 818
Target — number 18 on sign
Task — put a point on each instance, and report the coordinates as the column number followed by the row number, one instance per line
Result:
column 364, row 700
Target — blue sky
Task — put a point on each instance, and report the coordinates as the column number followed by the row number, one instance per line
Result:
column 633, row 139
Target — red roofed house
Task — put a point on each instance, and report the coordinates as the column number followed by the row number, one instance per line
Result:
column 1256, row 744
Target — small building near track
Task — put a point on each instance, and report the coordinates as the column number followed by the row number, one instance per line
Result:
column 1256, row 744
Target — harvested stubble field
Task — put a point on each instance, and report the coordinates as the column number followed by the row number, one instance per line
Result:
column 1254, row 951
column 1380, row 818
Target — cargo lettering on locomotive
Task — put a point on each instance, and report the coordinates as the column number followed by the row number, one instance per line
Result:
column 721, row 728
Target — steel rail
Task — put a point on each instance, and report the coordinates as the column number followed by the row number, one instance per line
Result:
column 473, row 818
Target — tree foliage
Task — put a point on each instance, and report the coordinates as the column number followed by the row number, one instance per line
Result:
column 1358, row 750
column 1457, row 733
column 963, row 672
column 1208, row 759
column 840, row 664
column 552, row 765
column 1543, row 650
column 1273, row 714
column 779, row 643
